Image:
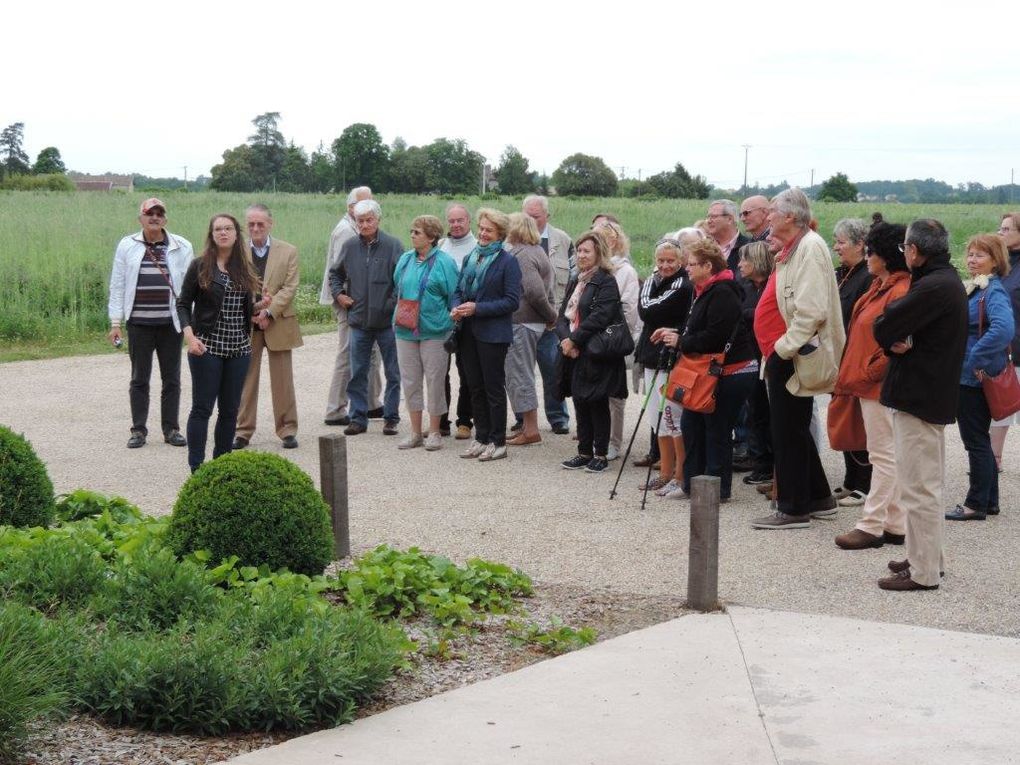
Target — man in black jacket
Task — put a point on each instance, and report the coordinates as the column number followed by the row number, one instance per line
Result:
column 362, row 282
column 925, row 335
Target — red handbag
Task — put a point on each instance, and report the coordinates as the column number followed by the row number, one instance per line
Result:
column 692, row 382
column 845, row 424
column 1002, row 392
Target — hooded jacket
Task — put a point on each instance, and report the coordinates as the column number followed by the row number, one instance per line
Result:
column 925, row 380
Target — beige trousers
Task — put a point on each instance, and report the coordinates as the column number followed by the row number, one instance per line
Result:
column 616, row 410
column 921, row 467
column 423, row 368
column 281, row 384
column 882, row 510
column 336, row 404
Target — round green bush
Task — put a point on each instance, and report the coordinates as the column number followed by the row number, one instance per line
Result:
column 259, row 507
column 26, row 492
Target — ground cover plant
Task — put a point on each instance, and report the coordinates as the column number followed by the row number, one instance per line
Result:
column 56, row 249
column 106, row 619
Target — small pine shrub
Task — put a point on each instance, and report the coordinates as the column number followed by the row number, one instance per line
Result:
column 259, row 507
column 26, row 492
column 30, row 686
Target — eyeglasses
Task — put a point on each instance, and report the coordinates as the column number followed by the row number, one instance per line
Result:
column 713, row 216
column 667, row 240
column 1006, row 229
column 156, row 214
column 694, row 263
column 903, row 247
column 745, row 213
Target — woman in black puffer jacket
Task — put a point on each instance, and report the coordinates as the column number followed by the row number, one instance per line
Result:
column 715, row 324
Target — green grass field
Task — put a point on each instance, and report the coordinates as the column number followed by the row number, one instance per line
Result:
column 56, row 249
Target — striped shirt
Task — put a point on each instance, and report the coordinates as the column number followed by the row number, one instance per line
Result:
column 152, row 295
column 231, row 336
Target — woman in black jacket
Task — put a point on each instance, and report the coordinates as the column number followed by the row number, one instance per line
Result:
column 665, row 301
column 590, row 304
column 715, row 325
column 216, row 306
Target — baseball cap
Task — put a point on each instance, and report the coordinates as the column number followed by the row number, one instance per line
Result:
column 148, row 204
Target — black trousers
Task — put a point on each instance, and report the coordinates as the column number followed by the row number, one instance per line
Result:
column 592, row 427
column 858, row 471
column 463, row 397
column 759, row 429
column 801, row 485
column 165, row 342
column 483, row 365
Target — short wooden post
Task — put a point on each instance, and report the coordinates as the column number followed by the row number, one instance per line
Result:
column 703, row 557
column 333, row 479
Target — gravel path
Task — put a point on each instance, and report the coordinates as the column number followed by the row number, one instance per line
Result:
column 559, row 527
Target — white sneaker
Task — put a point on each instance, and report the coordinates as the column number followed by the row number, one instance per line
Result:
column 413, row 441
column 673, row 483
column 612, row 453
column 473, row 451
column 434, row 442
column 853, row 499
column 492, row 452
column 677, row 492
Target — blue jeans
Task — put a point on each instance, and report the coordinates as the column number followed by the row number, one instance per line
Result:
column 361, row 357
column 548, row 354
column 974, row 419
column 214, row 380
column 707, row 436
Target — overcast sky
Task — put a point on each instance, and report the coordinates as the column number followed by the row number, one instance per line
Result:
column 876, row 90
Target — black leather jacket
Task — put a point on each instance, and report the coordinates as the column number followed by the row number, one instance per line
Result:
column 200, row 308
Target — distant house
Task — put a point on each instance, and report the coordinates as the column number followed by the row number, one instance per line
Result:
column 86, row 182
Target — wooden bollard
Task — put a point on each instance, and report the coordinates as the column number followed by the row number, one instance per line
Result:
column 333, row 479
column 703, row 556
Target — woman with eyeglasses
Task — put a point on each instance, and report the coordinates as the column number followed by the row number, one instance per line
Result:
column 425, row 278
column 215, row 308
column 861, row 372
column 853, row 279
column 1009, row 232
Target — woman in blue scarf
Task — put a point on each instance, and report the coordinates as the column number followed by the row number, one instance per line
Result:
column 487, row 295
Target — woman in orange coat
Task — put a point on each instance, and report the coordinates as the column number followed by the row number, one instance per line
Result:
column 861, row 373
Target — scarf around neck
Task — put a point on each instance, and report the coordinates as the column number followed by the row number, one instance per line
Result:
column 571, row 312
column 475, row 266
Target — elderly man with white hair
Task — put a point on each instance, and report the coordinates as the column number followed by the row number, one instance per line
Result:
column 799, row 327
column 721, row 224
column 336, row 404
column 362, row 282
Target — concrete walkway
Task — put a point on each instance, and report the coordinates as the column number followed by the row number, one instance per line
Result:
column 744, row 687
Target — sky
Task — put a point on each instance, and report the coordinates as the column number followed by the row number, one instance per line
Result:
column 879, row 91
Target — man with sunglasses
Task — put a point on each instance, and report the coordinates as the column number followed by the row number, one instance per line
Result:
column 754, row 214
column 148, row 270
column 721, row 224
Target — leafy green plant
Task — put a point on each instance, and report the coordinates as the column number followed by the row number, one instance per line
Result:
column 30, row 674
column 398, row 584
column 259, row 507
column 556, row 639
column 26, row 492
column 48, row 570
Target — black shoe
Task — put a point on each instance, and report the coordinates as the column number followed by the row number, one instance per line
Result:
column 893, row 539
column 137, row 439
column 289, row 442
column 993, row 510
column 342, row 420
column 576, row 462
column 561, row 430
column 743, row 466
column 375, row 414
column 597, row 465
column 240, row 443
column 444, row 432
column 174, row 438
column 517, row 426
column 391, row 428
column 354, row 429
column 757, row 477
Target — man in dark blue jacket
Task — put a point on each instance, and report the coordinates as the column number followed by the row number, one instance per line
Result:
column 362, row 282
column 925, row 335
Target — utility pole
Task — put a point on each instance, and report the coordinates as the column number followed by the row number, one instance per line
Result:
column 812, row 176
column 623, row 173
column 483, row 177
column 1011, row 171
column 185, row 177
column 747, row 148
column 639, row 173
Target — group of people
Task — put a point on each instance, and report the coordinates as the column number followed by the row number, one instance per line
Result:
column 893, row 331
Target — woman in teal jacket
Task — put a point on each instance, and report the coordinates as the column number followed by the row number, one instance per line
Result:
column 989, row 334
column 426, row 279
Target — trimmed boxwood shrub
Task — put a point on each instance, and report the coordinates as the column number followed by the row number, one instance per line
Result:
column 26, row 492
column 259, row 507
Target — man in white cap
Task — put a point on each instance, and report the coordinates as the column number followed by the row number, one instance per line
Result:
column 148, row 270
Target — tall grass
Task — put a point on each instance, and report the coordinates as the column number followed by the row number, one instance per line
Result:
column 56, row 249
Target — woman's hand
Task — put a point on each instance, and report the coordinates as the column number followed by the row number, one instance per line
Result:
column 195, row 346
column 979, row 374
column 667, row 336
column 462, row 311
column 899, row 347
column 568, row 348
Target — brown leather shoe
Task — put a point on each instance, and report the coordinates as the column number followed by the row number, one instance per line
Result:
column 898, row 566
column 522, row 440
column 902, row 582
column 858, row 540
column 645, row 461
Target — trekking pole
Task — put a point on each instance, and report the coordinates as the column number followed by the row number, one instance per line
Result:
column 637, row 425
column 670, row 359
